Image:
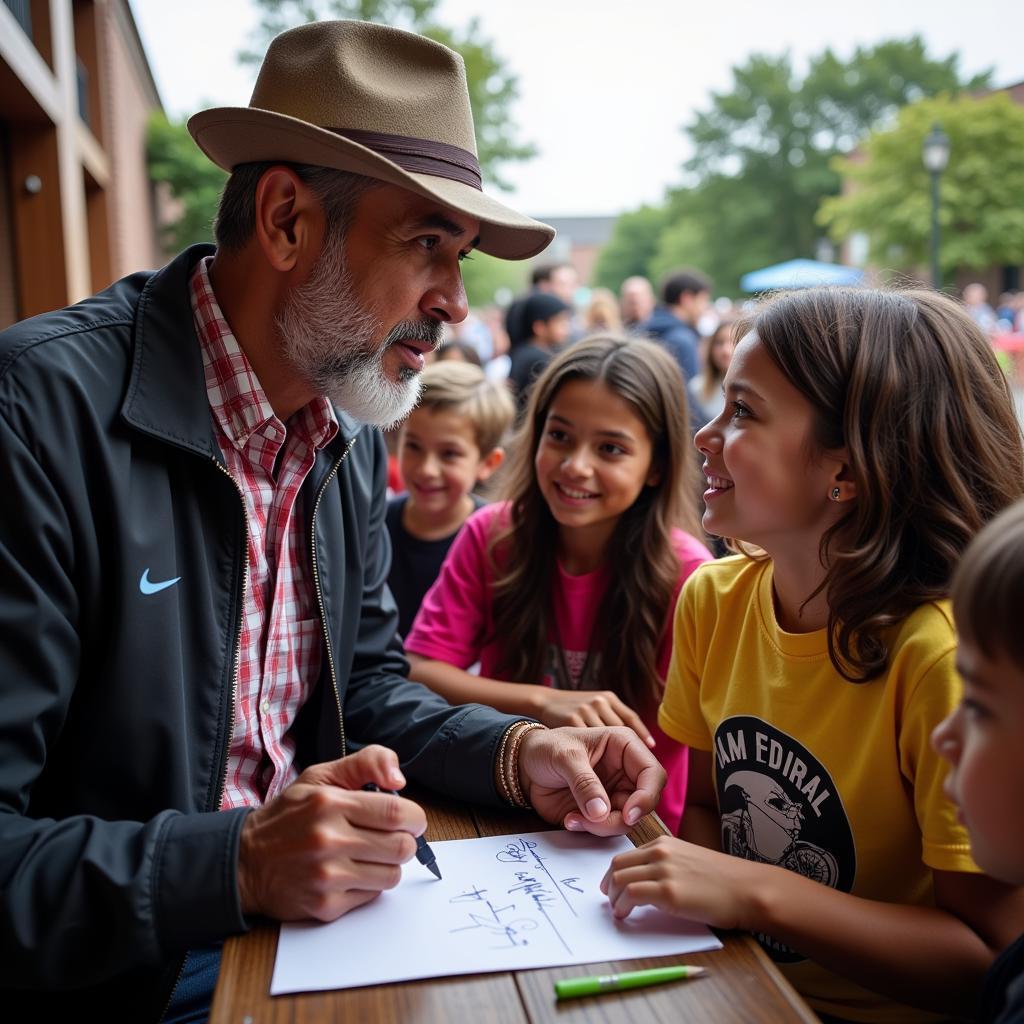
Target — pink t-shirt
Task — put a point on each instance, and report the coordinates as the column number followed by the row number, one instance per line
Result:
column 456, row 620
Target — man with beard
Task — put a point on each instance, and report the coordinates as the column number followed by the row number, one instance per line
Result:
column 198, row 664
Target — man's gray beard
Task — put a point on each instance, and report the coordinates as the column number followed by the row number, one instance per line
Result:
column 328, row 337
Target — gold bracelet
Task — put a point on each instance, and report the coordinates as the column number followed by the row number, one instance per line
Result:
column 499, row 763
column 512, row 765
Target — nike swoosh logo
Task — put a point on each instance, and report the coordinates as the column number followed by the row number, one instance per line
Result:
column 148, row 587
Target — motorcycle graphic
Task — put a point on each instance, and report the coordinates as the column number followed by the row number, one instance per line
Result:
column 766, row 825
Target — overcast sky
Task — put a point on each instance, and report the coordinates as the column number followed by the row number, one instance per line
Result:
column 604, row 86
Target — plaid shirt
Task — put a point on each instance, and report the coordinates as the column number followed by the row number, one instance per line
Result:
column 280, row 651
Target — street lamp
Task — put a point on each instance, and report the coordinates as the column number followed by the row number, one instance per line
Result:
column 935, row 153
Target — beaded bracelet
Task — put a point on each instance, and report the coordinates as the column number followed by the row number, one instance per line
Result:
column 510, row 766
column 499, row 764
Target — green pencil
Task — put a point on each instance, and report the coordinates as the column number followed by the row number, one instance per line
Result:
column 570, row 988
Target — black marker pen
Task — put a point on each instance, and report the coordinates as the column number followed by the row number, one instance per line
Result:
column 424, row 854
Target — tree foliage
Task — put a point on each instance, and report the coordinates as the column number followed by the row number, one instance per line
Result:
column 193, row 182
column 632, row 246
column 493, row 89
column 980, row 211
column 485, row 276
column 763, row 151
column 276, row 16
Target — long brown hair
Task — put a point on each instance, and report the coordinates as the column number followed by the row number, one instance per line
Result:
column 712, row 374
column 637, row 602
column 908, row 384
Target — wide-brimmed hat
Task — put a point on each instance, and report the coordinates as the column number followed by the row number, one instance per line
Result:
column 377, row 101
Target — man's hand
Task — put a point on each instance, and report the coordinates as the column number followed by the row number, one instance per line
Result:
column 591, row 780
column 324, row 846
column 590, row 707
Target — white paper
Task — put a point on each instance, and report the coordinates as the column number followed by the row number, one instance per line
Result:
column 505, row 903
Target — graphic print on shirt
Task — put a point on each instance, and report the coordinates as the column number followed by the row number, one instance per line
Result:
column 570, row 670
column 779, row 806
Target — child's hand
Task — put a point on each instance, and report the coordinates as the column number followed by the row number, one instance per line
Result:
column 684, row 879
column 583, row 708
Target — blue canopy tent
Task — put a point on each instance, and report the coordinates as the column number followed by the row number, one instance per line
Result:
column 799, row 274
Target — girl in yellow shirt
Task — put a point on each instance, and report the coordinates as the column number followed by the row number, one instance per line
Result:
column 867, row 436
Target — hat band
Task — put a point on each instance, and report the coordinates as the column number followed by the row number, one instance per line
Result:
column 420, row 156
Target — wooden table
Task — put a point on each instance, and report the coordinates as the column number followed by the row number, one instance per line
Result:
column 742, row 985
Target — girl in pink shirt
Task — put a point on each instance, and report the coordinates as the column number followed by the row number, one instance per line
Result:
column 563, row 593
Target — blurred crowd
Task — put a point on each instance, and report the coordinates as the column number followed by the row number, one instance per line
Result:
column 516, row 342
column 1006, row 317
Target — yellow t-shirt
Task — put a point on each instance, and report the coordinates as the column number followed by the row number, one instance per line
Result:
column 833, row 779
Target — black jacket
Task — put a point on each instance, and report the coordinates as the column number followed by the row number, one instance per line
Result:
column 1002, row 998
column 116, row 706
column 677, row 336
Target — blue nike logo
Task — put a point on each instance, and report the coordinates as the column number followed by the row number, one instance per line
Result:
column 148, row 587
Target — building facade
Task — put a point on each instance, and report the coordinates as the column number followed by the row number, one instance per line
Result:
column 578, row 241
column 77, row 209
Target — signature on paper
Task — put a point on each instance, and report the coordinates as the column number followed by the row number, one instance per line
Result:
column 532, row 900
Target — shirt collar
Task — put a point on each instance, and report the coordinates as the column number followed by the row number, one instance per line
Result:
column 237, row 399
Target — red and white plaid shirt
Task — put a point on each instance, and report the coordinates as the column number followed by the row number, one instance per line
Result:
column 279, row 659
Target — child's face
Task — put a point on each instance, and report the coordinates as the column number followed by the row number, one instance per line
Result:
column 765, row 484
column 556, row 331
column 594, row 458
column 983, row 739
column 721, row 350
column 439, row 460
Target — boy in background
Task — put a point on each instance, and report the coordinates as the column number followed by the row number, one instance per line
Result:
column 449, row 445
column 983, row 739
column 549, row 320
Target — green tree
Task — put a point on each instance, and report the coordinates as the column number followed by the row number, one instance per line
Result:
column 493, row 89
column 632, row 246
column 700, row 222
column 193, row 182
column 484, row 276
column 980, row 213
column 763, row 151
column 276, row 16
column 775, row 134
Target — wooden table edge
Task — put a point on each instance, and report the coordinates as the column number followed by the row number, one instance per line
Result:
column 238, row 949
column 650, row 827
column 781, row 982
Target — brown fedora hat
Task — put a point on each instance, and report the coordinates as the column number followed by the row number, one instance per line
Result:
column 377, row 101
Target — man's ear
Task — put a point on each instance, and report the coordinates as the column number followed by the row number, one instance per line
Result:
column 289, row 220
column 489, row 464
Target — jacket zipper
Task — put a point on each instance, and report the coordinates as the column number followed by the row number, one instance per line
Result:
column 177, row 981
column 319, row 592
column 238, row 646
column 234, row 694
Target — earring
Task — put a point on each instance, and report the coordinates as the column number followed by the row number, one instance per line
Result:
column 834, row 494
